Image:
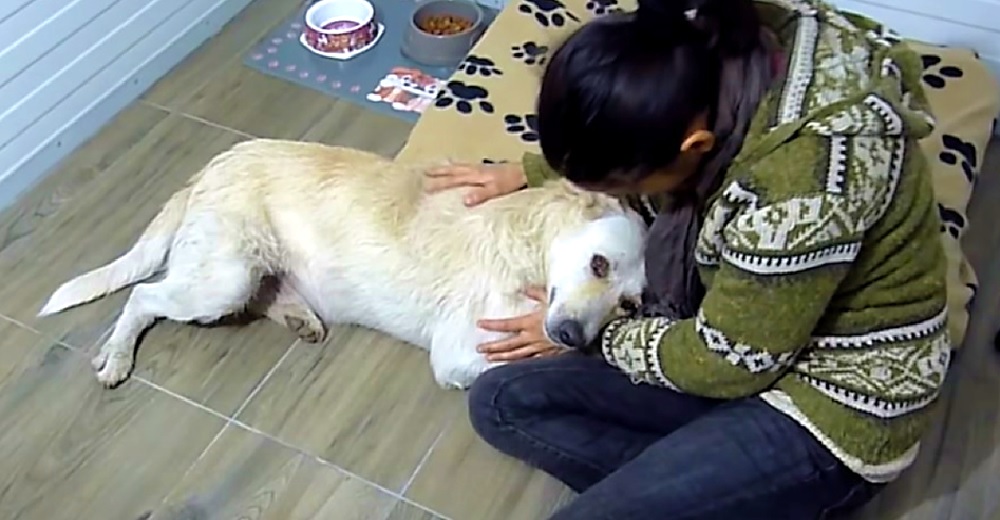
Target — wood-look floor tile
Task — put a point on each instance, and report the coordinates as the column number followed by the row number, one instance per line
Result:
column 73, row 176
column 69, row 449
column 246, row 100
column 225, row 48
column 246, row 475
column 18, row 350
column 466, row 479
column 241, row 98
column 102, row 221
column 215, row 366
column 361, row 401
column 347, row 124
column 405, row 511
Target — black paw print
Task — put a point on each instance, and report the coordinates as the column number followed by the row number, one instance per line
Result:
column 479, row 66
column 602, row 7
column 548, row 13
column 937, row 79
column 464, row 97
column 957, row 150
column 951, row 221
column 526, row 126
column 530, row 53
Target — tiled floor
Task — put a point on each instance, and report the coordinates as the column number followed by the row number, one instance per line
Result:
column 243, row 422
column 218, row 422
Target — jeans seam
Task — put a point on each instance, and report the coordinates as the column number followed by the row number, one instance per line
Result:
column 509, row 425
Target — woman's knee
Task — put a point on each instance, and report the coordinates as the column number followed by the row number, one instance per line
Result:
column 505, row 393
column 488, row 398
column 482, row 409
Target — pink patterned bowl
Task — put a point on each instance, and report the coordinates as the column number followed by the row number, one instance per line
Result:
column 340, row 26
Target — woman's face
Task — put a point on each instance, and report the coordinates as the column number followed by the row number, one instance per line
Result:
column 676, row 177
column 673, row 178
column 667, row 180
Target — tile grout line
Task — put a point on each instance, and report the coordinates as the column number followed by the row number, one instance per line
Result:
column 227, row 424
column 420, row 464
column 97, row 343
column 320, row 460
column 82, row 351
column 260, row 384
column 23, row 325
column 430, row 451
column 197, row 119
column 190, row 468
column 232, row 421
column 57, row 341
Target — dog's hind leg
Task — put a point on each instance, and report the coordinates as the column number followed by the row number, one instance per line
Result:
column 282, row 303
column 184, row 296
column 208, row 278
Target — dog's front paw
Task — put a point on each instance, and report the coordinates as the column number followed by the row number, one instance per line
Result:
column 453, row 385
column 113, row 366
column 454, row 379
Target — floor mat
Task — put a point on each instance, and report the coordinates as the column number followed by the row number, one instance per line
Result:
column 381, row 79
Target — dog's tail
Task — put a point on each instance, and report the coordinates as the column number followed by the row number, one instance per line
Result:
column 145, row 258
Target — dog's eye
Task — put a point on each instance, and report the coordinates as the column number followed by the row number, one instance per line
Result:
column 629, row 306
column 600, row 266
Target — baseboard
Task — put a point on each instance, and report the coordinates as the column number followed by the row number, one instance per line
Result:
column 33, row 167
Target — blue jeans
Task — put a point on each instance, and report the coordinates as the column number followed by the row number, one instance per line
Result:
column 647, row 453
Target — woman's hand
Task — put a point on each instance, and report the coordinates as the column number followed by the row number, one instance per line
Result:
column 487, row 181
column 528, row 339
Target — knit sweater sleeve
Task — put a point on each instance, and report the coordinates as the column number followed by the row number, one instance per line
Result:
column 779, row 262
column 536, row 170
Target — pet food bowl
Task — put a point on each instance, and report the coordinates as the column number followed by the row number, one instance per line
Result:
column 438, row 50
column 340, row 29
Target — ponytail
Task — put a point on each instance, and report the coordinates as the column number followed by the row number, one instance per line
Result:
column 734, row 33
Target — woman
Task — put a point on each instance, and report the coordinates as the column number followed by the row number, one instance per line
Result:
column 794, row 337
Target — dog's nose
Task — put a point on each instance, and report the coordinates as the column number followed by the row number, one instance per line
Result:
column 570, row 333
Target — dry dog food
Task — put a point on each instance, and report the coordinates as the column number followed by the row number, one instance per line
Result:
column 444, row 24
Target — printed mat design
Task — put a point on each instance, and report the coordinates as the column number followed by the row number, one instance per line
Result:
column 380, row 79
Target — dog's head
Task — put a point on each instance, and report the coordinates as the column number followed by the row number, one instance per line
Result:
column 595, row 273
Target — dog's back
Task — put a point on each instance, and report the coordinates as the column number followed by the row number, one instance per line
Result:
column 367, row 245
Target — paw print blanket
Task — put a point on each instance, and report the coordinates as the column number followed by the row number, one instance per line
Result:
column 484, row 111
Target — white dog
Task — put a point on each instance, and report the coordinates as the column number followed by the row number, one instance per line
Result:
column 346, row 236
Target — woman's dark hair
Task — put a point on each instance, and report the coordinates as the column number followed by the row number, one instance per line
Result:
column 619, row 96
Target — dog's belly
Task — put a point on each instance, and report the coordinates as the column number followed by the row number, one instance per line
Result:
column 377, row 301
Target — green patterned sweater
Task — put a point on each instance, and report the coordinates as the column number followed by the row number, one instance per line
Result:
column 821, row 253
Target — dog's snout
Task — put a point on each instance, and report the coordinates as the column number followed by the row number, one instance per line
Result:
column 570, row 333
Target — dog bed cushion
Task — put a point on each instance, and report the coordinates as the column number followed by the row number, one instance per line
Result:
column 485, row 114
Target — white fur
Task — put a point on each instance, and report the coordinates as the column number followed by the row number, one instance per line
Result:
column 349, row 237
